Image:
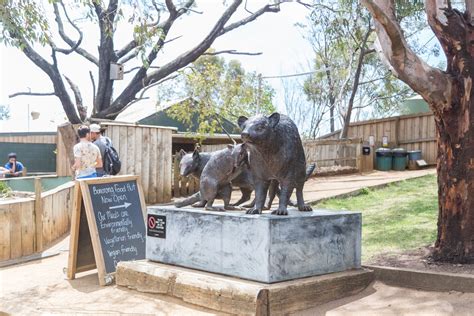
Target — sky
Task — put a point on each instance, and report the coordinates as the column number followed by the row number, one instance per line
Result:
column 284, row 51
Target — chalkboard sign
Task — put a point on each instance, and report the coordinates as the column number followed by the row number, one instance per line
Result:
column 115, row 209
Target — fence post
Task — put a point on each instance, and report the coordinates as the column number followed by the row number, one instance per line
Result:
column 176, row 189
column 359, row 156
column 38, row 213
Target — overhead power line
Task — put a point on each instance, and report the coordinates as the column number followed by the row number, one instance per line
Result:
column 295, row 75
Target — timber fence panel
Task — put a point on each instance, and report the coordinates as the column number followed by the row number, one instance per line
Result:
column 19, row 229
column 145, row 151
column 413, row 132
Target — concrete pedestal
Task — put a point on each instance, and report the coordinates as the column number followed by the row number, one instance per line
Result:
column 265, row 248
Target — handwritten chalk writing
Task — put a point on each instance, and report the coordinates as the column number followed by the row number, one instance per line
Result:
column 112, row 214
column 131, row 249
column 137, row 235
column 119, row 198
column 114, row 253
column 119, row 219
column 122, row 222
column 121, row 188
column 105, row 190
column 131, row 187
column 119, row 230
column 114, row 239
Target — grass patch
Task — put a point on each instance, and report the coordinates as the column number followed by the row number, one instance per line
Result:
column 5, row 190
column 399, row 217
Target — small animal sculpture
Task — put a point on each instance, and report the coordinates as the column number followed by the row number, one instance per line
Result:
column 192, row 164
column 276, row 153
column 273, row 189
column 217, row 175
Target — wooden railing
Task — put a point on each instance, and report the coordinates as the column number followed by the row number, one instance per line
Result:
column 335, row 152
column 30, row 225
column 412, row 132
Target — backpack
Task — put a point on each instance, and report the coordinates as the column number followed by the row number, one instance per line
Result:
column 111, row 161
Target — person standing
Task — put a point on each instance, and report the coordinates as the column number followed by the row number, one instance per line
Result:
column 102, row 142
column 14, row 167
column 86, row 155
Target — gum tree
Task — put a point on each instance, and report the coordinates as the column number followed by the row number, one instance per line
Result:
column 450, row 95
column 219, row 90
column 50, row 32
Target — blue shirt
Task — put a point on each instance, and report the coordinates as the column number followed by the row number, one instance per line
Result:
column 19, row 166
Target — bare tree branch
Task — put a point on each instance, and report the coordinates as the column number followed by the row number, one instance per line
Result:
column 252, row 17
column 141, row 97
column 126, row 49
column 232, row 52
column 177, row 13
column 93, row 91
column 74, row 45
column 53, row 73
column 138, row 67
column 81, row 109
column 31, row 93
column 142, row 79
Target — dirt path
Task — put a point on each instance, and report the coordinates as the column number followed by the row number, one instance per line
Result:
column 317, row 188
column 40, row 287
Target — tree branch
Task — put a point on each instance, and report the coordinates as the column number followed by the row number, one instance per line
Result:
column 141, row 97
column 93, row 91
column 126, row 49
column 31, row 93
column 74, row 45
column 173, row 16
column 138, row 67
column 77, row 94
column 142, row 79
column 252, row 17
column 431, row 83
column 232, row 52
column 53, row 74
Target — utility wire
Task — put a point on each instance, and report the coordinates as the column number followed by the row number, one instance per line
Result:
column 295, row 75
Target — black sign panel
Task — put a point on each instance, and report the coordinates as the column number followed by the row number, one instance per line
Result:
column 119, row 217
column 156, row 226
column 366, row 150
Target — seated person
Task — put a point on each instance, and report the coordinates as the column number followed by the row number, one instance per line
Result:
column 14, row 168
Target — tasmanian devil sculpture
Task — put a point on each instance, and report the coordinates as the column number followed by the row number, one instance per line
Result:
column 275, row 152
column 194, row 163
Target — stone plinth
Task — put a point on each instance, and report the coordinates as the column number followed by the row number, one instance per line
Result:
column 265, row 248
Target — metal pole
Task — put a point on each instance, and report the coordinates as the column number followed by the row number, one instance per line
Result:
column 259, row 92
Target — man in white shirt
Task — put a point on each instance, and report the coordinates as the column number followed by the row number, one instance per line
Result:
column 86, row 155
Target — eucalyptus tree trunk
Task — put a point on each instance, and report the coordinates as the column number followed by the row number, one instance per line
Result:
column 455, row 165
column 450, row 96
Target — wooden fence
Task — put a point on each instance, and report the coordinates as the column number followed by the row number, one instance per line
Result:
column 412, row 132
column 324, row 153
column 30, row 225
column 29, row 137
column 338, row 152
column 144, row 151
